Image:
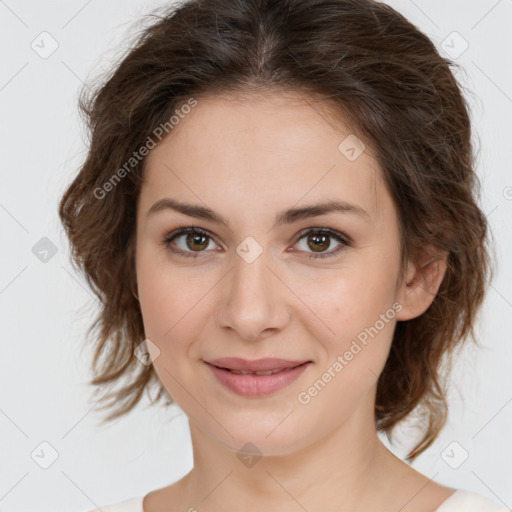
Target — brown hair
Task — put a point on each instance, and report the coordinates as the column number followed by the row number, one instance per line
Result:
column 389, row 83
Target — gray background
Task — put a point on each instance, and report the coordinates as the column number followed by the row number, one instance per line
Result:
column 45, row 307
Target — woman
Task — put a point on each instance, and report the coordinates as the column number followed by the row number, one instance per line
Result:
column 278, row 213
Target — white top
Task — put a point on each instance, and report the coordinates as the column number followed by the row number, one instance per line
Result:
column 460, row 501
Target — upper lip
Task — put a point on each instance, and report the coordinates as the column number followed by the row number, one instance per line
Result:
column 256, row 365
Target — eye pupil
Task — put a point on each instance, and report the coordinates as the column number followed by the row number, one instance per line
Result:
column 195, row 238
column 322, row 238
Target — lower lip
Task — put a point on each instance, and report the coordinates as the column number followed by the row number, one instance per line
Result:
column 257, row 385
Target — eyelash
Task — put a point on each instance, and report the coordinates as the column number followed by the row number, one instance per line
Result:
column 344, row 241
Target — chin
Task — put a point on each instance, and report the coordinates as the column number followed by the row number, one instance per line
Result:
column 253, row 439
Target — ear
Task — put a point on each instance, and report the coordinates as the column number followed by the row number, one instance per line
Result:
column 423, row 279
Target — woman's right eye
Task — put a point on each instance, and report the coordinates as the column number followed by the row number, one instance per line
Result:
column 191, row 239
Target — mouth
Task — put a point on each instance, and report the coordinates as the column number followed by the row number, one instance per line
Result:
column 256, row 378
column 268, row 372
column 266, row 366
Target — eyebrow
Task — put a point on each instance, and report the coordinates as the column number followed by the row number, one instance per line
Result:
column 284, row 217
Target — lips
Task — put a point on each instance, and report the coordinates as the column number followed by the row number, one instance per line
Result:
column 265, row 366
column 258, row 378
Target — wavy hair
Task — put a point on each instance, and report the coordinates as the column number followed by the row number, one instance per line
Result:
column 387, row 81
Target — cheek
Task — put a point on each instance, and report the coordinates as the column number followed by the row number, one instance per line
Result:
column 349, row 301
column 164, row 297
column 363, row 321
column 356, row 318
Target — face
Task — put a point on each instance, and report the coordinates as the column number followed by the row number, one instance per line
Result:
column 307, row 286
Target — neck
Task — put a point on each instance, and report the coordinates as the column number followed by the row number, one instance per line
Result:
column 340, row 471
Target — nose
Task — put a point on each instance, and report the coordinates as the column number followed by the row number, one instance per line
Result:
column 253, row 299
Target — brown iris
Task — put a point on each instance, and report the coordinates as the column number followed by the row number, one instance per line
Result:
column 317, row 241
column 195, row 238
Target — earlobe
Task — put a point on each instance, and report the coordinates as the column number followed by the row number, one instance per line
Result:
column 422, row 283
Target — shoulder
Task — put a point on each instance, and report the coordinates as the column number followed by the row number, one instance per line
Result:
column 470, row 501
column 129, row 505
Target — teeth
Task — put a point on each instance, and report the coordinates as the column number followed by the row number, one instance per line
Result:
column 268, row 372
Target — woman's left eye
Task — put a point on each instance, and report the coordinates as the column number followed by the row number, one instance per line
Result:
column 319, row 238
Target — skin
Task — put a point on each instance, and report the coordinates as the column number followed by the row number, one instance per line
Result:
column 248, row 158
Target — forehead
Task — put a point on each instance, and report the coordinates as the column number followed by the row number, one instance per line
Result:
column 256, row 150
